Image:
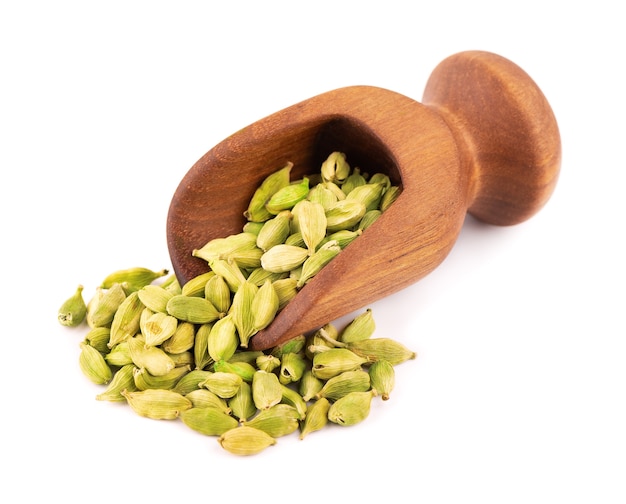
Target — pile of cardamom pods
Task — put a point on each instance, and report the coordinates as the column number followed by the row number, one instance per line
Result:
column 176, row 351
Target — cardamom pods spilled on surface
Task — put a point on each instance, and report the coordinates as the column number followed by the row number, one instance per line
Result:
column 176, row 351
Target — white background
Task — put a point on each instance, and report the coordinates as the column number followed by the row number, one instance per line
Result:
column 518, row 393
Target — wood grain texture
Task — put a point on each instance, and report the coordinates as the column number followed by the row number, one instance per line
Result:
column 484, row 140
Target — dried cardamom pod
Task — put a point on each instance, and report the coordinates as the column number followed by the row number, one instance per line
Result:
column 158, row 328
column 201, row 346
column 182, row 340
column 196, row 310
column 102, row 313
column 344, row 215
column 283, row 258
column 93, row 365
column 218, row 293
column 309, row 385
column 335, row 168
column 243, row 369
column 322, row 195
column 125, row 323
column 286, row 197
column 144, row 380
column 389, row 197
column 195, row 286
column 274, row 231
column 224, row 385
column 344, row 383
column 258, row 276
column 157, row 404
column 380, row 178
column 314, row 264
column 73, row 310
column 285, row 290
column 242, row 404
column 369, row 218
column 245, row 441
column 374, row 349
column 208, row 421
column 316, row 417
column 191, row 381
column 223, row 340
column 154, row 297
column 264, row 306
column 229, row 270
column 360, row 328
column 204, row 398
column 311, row 222
column 266, row 390
column 351, row 408
column 119, row 355
column 256, row 210
column 293, row 398
column 279, row 420
column 369, row 194
column 221, row 248
column 242, row 314
column 335, row 361
column 98, row 337
column 154, row 359
column 292, row 367
column 134, row 278
column 267, row 363
column 355, row 179
column 382, row 377
column 122, row 380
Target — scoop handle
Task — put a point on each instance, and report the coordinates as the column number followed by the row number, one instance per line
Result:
column 505, row 129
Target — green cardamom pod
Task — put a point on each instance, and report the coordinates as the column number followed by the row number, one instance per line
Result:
column 223, row 340
column 203, row 398
column 266, row 390
column 316, row 417
column 208, row 421
column 344, row 383
column 224, row 385
column 274, row 231
column 102, row 312
column 335, row 361
column 335, row 168
column 245, row 440
column 157, row 404
column 286, row 197
column 256, row 210
column 360, row 328
column 374, row 349
column 73, row 310
column 242, row 404
column 154, row 297
column 382, row 378
column 125, row 323
column 93, row 365
column 134, row 278
column 264, row 306
column 279, row 420
column 122, row 380
column 351, row 409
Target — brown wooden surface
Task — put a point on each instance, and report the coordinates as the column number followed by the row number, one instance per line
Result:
column 484, row 140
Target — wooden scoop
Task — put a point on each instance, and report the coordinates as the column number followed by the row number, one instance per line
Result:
column 484, row 141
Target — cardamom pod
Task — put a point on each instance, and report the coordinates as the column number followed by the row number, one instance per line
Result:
column 292, row 367
column 102, row 313
column 382, row 378
column 195, row 286
column 224, row 385
column 208, row 421
column 242, row 404
column 122, row 380
column 351, row 408
column 345, row 214
column 157, row 404
column 201, row 346
column 196, row 310
column 242, row 314
column 145, row 380
column 191, row 381
column 125, row 323
column 374, row 349
column 182, row 340
column 344, row 383
column 335, row 168
column 223, row 340
column 154, row 297
column 243, row 369
column 134, row 278
column 218, row 293
column 286, row 197
column 279, row 420
column 360, row 328
column 203, row 398
column 73, row 310
column 264, row 306
column 274, row 231
column 316, row 417
column 158, row 328
column 256, row 210
column 283, row 258
column 245, row 440
column 335, row 361
column 266, row 390
column 93, row 365
column 154, row 359
column 312, row 223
